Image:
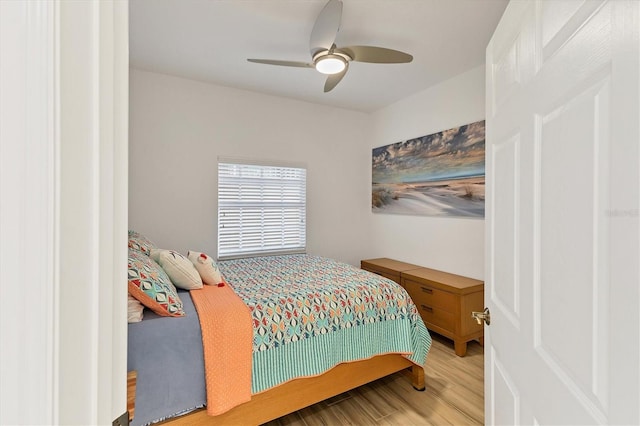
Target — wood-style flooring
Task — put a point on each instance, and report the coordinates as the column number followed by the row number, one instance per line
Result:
column 454, row 395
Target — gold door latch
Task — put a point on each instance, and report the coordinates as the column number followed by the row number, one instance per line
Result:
column 480, row 316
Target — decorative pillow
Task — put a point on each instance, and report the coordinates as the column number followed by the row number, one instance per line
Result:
column 150, row 285
column 134, row 309
column 180, row 269
column 206, row 267
column 141, row 243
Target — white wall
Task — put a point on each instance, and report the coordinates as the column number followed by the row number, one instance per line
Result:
column 453, row 245
column 179, row 127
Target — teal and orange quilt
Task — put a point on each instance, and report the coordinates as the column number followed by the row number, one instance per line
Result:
column 311, row 313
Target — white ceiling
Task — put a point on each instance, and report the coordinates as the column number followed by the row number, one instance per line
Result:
column 210, row 40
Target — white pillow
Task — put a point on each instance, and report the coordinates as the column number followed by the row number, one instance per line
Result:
column 206, row 267
column 180, row 270
column 134, row 309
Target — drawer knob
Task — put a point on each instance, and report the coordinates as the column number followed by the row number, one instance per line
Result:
column 426, row 290
column 426, row 308
column 482, row 316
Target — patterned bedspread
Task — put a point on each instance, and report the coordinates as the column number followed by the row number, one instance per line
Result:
column 311, row 313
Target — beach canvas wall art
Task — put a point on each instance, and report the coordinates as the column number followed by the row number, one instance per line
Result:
column 435, row 175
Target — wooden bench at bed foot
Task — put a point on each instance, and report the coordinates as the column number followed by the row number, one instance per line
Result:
column 131, row 393
column 445, row 301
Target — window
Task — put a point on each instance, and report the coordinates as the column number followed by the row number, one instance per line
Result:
column 261, row 209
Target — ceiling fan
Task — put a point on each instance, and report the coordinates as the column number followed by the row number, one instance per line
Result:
column 334, row 61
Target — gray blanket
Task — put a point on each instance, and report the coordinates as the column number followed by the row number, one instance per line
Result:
column 167, row 354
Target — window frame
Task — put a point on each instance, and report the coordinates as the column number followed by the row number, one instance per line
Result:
column 257, row 196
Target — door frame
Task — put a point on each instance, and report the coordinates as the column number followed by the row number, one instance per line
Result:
column 64, row 178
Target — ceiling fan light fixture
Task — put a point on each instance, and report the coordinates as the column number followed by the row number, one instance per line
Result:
column 329, row 59
column 330, row 64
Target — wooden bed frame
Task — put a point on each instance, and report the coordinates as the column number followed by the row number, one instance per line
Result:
column 300, row 393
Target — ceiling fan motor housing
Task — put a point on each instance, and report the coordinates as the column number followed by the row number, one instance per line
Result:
column 328, row 62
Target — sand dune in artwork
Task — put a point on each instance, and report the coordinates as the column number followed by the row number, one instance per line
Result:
column 455, row 197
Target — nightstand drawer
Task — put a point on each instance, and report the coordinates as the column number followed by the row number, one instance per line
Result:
column 437, row 317
column 423, row 294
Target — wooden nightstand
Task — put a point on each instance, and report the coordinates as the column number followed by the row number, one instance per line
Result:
column 388, row 268
column 445, row 302
column 131, row 393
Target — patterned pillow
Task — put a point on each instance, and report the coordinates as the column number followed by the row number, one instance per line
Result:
column 141, row 243
column 180, row 269
column 206, row 267
column 150, row 285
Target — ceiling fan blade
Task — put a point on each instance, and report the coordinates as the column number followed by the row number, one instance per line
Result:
column 326, row 27
column 282, row 63
column 334, row 79
column 377, row 55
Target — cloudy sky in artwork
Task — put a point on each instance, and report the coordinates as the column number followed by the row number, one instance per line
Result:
column 451, row 154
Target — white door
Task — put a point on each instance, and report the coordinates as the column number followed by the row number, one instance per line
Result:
column 563, row 199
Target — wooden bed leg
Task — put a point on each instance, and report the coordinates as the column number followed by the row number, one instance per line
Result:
column 417, row 378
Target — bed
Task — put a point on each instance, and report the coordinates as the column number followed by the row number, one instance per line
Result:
column 320, row 328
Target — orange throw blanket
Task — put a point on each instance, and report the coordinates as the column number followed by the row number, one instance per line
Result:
column 227, row 338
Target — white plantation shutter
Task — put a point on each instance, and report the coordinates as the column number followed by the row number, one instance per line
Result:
column 261, row 209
